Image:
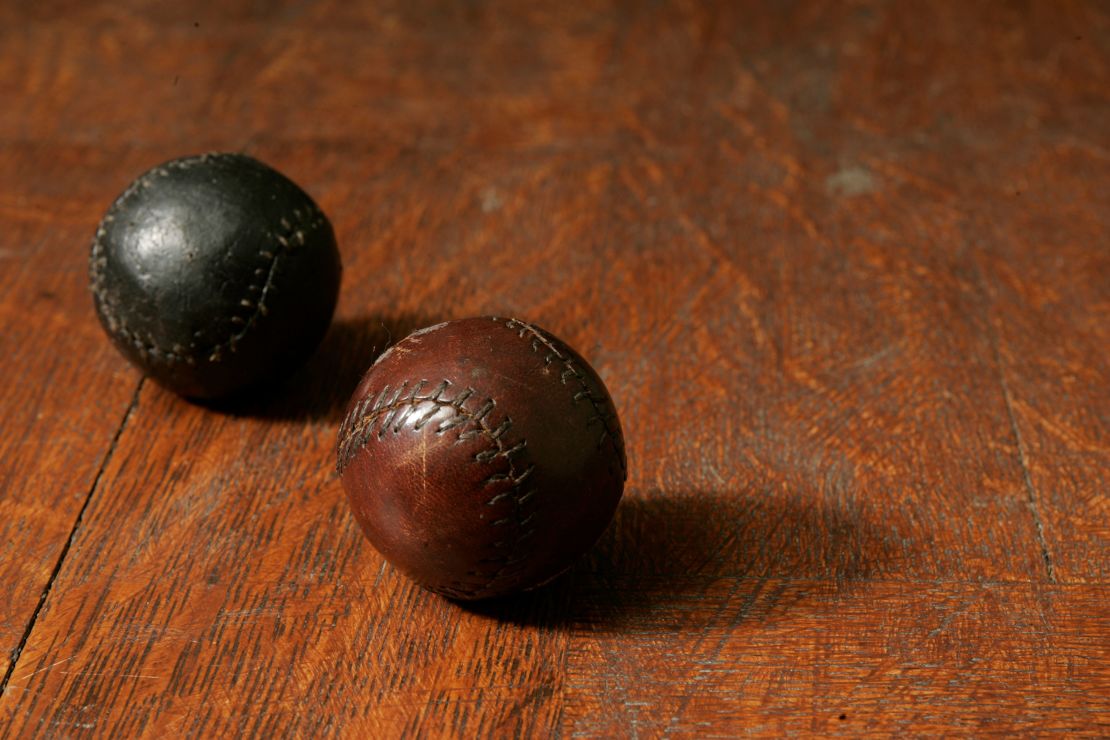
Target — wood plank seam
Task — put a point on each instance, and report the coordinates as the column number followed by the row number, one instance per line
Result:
column 1030, row 490
column 72, row 536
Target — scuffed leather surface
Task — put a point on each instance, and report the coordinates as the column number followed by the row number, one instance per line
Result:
column 482, row 456
column 215, row 273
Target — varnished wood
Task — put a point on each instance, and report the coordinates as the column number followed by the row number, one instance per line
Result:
column 845, row 269
column 64, row 393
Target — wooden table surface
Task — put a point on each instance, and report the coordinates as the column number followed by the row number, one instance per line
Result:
column 845, row 268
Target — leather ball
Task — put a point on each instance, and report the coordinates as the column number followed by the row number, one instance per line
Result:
column 214, row 273
column 481, row 456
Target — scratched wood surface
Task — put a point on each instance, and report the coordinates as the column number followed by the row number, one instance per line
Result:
column 845, row 268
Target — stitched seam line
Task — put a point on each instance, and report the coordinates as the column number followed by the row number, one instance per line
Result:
column 603, row 412
column 388, row 413
column 292, row 235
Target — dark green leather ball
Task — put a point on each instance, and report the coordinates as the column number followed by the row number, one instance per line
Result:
column 214, row 274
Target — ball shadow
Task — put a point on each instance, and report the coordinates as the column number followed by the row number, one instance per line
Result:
column 320, row 389
column 672, row 558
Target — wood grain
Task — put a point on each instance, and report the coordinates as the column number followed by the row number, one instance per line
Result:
column 845, row 269
column 64, row 394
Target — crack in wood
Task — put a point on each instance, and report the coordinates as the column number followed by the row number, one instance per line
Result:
column 72, row 536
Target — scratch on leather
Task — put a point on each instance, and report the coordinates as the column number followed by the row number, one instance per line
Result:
column 292, row 235
column 388, row 412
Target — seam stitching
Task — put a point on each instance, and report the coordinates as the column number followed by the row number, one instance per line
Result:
column 387, row 413
column 603, row 411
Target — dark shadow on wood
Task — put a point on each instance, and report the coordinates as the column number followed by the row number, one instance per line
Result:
column 674, row 560
column 319, row 390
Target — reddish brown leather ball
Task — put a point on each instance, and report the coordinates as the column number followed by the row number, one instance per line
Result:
column 482, row 456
